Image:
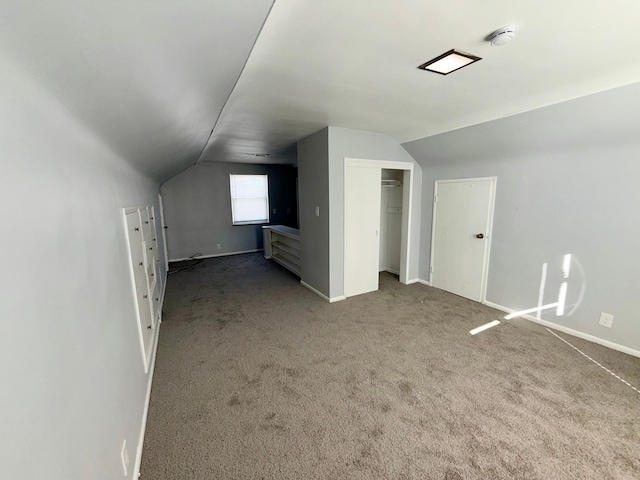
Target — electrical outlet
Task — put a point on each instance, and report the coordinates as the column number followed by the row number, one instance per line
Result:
column 274, row 211
column 606, row 319
column 218, row 246
column 288, row 210
column 317, row 211
column 124, row 455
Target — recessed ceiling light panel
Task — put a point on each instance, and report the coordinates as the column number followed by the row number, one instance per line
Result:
column 449, row 62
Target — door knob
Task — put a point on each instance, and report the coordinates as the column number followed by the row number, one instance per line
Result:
column 480, row 235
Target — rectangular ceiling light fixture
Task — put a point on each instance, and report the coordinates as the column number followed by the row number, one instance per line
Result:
column 449, row 62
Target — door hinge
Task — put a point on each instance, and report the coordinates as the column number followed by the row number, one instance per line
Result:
column 435, row 199
column 431, row 268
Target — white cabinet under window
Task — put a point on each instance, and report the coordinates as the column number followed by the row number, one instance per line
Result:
column 282, row 244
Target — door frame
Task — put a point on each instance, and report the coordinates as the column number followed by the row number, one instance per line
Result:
column 489, row 235
column 407, row 208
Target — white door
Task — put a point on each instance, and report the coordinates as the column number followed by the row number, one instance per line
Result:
column 462, row 219
column 362, row 228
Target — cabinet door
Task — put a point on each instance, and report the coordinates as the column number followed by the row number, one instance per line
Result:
column 141, row 285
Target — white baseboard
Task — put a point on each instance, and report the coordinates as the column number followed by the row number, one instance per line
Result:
column 145, row 412
column 226, row 254
column 418, row 280
column 570, row 331
column 322, row 295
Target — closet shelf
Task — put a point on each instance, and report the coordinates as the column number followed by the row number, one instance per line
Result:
column 287, row 248
column 386, row 182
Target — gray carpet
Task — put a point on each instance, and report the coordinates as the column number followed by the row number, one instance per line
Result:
column 258, row 378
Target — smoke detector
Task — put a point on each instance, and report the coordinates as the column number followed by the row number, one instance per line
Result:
column 502, row 36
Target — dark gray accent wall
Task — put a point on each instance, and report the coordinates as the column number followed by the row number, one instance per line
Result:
column 313, row 185
column 197, row 208
column 568, row 182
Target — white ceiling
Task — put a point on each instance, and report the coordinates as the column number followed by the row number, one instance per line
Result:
column 353, row 64
column 151, row 78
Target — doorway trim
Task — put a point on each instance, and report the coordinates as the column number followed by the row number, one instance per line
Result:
column 407, row 208
column 489, row 235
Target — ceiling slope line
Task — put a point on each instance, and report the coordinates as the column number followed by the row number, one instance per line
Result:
column 224, row 106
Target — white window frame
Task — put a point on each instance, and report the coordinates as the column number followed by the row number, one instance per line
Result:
column 263, row 196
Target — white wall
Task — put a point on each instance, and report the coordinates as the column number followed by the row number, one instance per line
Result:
column 346, row 143
column 73, row 382
column 567, row 183
column 197, row 208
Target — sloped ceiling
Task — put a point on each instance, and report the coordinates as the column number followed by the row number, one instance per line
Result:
column 152, row 78
column 353, row 64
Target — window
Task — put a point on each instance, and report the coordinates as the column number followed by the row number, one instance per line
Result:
column 249, row 199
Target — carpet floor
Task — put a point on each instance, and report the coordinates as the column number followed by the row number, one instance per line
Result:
column 258, row 378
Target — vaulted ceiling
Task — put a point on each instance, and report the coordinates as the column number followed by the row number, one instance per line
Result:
column 150, row 78
column 173, row 82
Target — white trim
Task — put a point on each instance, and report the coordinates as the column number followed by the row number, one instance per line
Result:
column 145, row 411
column 489, row 235
column 146, row 354
column 570, row 331
column 368, row 163
column 407, row 204
column 163, row 231
column 407, row 209
column 424, row 282
column 216, row 255
column 162, row 295
column 322, row 295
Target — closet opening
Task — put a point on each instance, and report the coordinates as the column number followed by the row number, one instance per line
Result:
column 391, row 197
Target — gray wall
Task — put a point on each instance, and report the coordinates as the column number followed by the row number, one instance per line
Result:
column 313, row 181
column 197, row 208
column 371, row 146
column 73, row 381
column 567, row 183
column 321, row 163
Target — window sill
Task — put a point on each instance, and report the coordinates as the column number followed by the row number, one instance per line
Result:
column 239, row 224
